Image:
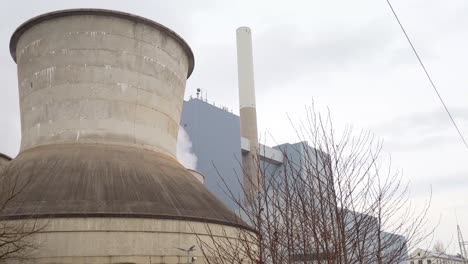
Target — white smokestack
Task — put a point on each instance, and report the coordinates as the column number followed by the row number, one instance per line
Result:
column 248, row 114
column 245, row 68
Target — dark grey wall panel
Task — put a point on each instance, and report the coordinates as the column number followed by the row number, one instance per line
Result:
column 215, row 136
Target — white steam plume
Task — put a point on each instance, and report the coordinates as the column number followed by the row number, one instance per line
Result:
column 185, row 154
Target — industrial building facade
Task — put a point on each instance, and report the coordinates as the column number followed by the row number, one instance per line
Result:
column 218, row 145
column 215, row 137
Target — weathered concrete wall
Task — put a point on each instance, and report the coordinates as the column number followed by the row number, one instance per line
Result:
column 123, row 240
column 96, row 78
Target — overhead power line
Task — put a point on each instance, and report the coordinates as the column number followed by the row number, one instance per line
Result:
column 428, row 76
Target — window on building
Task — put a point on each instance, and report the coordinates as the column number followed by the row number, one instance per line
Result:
column 420, row 261
column 429, row 261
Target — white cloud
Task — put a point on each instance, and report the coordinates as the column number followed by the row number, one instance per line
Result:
column 185, row 154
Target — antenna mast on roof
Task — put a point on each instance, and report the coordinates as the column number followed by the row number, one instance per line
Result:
column 462, row 243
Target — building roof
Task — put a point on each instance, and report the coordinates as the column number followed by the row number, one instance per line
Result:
column 423, row 254
column 102, row 12
column 97, row 180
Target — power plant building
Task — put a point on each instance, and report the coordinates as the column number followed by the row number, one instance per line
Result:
column 216, row 141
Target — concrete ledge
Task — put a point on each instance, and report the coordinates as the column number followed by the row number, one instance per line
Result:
column 125, row 240
column 88, row 11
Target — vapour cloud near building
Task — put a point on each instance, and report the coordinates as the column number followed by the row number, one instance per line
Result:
column 184, row 150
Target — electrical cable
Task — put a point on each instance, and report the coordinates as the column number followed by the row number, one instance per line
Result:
column 428, row 76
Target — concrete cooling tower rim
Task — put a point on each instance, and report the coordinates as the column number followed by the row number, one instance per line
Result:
column 103, row 12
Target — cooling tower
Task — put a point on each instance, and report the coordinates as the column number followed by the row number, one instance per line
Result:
column 101, row 94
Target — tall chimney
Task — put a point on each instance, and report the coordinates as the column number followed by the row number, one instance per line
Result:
column 248, row 114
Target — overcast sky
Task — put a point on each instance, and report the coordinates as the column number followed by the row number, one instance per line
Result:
column 348, row 55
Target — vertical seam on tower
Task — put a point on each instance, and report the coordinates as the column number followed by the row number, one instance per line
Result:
column 135, row 28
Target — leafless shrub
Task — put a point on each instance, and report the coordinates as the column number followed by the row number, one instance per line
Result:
column 16, row 235
column 337, row 202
